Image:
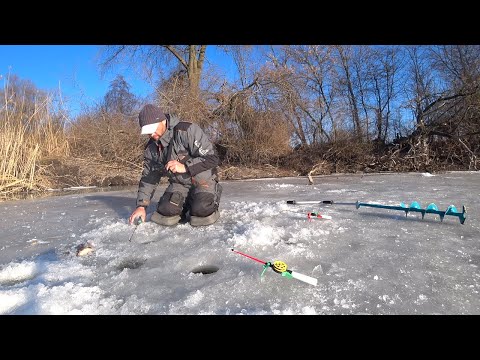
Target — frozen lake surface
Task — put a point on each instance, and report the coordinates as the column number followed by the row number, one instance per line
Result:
column 366, row 261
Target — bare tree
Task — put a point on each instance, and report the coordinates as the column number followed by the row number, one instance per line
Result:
column 420, row 83
column 345, row 54
column 442, row 90
column 280, row 85
column 118, row 98
column 362, row 66
column 313, row 66
column 383, row 76
column 21, row 97
column 153, row 58
column 458, row 65
column 448, row 108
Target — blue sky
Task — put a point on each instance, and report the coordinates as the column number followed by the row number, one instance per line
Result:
column 74, row 70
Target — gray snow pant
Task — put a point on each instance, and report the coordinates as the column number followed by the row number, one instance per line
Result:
column 200, row 200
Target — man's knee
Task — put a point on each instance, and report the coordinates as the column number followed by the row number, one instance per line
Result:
column 203, row 204
column 171, row 204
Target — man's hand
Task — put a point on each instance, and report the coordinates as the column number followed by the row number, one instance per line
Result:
column 139, row 212
column 175, row 167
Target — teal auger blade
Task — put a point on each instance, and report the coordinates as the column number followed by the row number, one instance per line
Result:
column 451, row 211
column 431, row 206
column 415, row 207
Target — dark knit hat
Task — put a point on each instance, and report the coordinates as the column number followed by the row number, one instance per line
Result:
column 149, row 118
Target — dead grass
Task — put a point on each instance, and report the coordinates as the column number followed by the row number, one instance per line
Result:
column 29, row 130
column 253, row 172
column 88, row 172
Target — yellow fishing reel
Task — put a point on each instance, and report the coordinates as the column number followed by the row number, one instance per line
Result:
column 279, row 266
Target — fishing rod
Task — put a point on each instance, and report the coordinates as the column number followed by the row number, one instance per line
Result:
column 137, row 221
column 281, row 268
column 414, row 207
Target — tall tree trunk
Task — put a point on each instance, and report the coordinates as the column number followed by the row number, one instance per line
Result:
column 299, row 129
column 195, row 66
column 351, row 95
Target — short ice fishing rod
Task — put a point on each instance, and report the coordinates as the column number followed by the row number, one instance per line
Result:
column 281, row 268
column 137, row 221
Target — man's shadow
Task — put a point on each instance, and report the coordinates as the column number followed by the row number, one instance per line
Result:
column 124, row 205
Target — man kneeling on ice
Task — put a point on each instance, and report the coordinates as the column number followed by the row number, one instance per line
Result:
column 181, row 151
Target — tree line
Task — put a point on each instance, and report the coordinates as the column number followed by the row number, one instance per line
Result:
column 310, row 109
column 418, row 101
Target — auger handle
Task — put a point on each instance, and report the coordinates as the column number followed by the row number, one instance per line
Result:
column 294, row 202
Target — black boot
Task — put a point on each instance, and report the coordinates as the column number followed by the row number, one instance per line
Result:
column 165, row 220
column 207, row 220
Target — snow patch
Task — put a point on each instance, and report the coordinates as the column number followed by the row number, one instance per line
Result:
column 18, row 272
